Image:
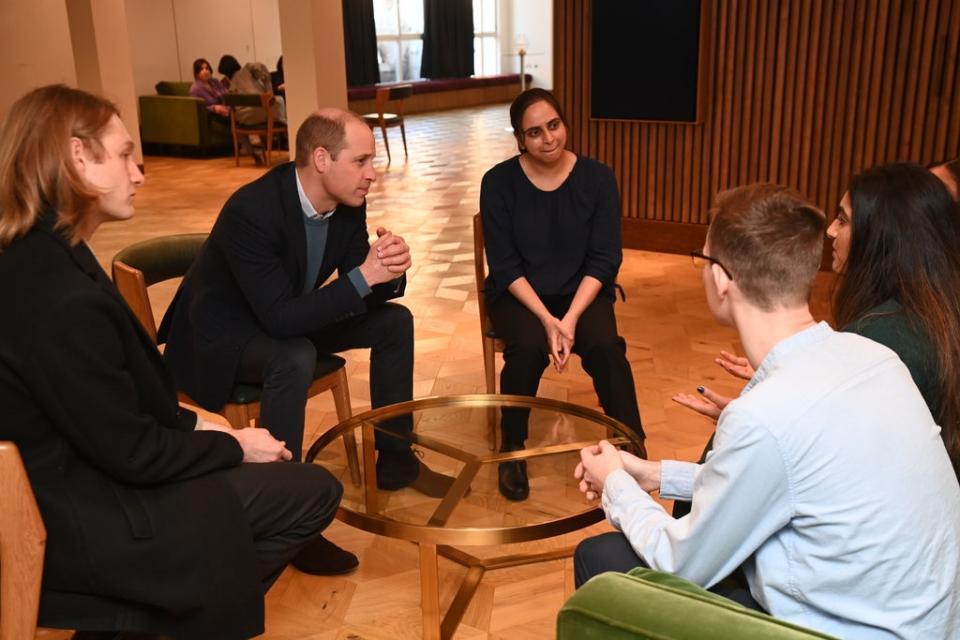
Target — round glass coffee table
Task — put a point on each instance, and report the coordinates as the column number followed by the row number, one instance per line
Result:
column 456, row 436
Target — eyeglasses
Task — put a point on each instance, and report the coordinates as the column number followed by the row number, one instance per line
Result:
column 700, row 260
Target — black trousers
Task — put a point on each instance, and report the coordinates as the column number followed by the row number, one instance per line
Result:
column 287, row 505
column 526, row 356
column 612, row 552
column 285, row 368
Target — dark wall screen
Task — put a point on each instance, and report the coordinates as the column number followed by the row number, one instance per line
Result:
column 645, row 56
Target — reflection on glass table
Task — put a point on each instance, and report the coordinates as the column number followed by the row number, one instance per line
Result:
column 454, row 436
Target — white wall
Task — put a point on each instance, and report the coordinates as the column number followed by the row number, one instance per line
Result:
column 168, row 35
column 35, row 47
column 533, row 21
column 153, row 43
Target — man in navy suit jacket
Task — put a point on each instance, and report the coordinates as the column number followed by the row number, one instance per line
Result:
column 256, row 306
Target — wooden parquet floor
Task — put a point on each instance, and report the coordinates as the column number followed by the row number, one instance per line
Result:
column 430, row 199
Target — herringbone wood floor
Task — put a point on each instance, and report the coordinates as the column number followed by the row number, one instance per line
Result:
column 430, row 200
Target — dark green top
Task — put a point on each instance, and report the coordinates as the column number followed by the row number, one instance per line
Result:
column 889, row 325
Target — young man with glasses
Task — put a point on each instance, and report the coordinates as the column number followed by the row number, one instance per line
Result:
column 792, row 514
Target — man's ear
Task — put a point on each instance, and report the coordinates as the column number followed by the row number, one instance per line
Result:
column 321, row 159
column 78, row 155
column 721, row 281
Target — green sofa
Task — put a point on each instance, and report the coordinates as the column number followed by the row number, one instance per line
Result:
column 174, row 118
column 649, row 604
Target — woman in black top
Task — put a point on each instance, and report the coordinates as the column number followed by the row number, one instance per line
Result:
column 551, row 220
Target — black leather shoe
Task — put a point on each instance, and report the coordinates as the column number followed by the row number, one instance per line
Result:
column 398, row 470
column 513, row 480
column 323, row 558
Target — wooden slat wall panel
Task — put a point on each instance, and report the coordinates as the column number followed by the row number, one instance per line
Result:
column 801, row 92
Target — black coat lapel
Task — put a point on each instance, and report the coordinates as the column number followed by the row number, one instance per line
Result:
column 293, row 226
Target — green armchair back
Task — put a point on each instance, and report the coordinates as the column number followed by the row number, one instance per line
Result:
column 650, row 604
column 174, row 117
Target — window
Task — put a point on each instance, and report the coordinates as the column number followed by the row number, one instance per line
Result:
column 399, row 38
column 486, row 52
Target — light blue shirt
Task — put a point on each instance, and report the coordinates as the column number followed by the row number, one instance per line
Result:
column 316, row 226
column 830, row 484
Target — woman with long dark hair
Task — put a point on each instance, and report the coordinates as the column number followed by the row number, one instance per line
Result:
column 896, row 250
column 896, row 246
column 551, row 220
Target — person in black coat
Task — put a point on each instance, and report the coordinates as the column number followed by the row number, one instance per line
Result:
column 551, row 221
column 256, row 307
column 153, row 524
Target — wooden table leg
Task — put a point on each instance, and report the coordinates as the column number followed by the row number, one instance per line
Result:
column 429, row 591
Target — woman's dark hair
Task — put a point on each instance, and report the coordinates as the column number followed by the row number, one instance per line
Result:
column 523, row 102
column 228, row 66
column 198, row 64
column 280, row 64
column 905, row 245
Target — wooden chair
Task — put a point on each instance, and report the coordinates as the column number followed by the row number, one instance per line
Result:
column 266, row 129
column 146, row 263
column 397, row 93
column 491, row 343
column 23, row 540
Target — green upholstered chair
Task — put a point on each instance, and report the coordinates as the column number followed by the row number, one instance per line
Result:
column 152, row 261
column 650, row 604
column 174, row 117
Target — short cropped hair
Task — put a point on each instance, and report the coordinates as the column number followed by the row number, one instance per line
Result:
column 36, row 168
column 321, row 131
column 228, row 66
column 770, row 239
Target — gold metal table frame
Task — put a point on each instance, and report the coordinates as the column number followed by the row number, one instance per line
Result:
column 435, row 538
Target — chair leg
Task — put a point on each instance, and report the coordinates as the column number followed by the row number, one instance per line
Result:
column 21, row 554
column 386, row 143
column 403, row 134
column 238, row 415
column 236, row 150
column 490, row 377
column 267, row 149
column 341, row 398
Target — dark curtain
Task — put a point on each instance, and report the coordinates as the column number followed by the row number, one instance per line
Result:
column 447, row 39
column 360, row 43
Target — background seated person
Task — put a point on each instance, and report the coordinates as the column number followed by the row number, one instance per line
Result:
column 551, row 222
column 153, row 524
column 828, row 484
column 253, row 77
column 208, row 88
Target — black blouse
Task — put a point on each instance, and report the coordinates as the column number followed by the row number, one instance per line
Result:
column 553, row 238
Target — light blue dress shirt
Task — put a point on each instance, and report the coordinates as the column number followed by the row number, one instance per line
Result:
column 829, row 483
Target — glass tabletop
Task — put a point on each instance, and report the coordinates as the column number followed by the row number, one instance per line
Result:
column 454, row 436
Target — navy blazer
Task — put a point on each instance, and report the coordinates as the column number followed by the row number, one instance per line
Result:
column 249, row 278
column 134, row 509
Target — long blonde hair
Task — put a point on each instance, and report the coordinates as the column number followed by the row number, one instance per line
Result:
column 36, row 169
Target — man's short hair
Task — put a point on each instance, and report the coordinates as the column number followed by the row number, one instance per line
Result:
column 770, row 239
column 320, row 131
